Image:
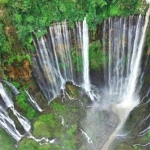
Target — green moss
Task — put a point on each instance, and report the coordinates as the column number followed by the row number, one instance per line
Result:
column 28, row 144
column 57, row 107
column 72, row 91
column 22, row 103
column 6, row 142
column 49, row 124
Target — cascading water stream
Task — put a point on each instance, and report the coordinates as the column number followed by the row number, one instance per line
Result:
column 130, row 95
column 135, row 68
column 8, row 125
column 53, row 58
column 5, row 121
column 121, row 57
column 33, row 102
column 85, row 53
column 124, row 56
column 14, row 89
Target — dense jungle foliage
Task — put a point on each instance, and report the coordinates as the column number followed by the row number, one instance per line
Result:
column 28, row 16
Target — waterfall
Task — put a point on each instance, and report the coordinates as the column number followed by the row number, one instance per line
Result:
column 63, row 55
column 33, row 102
column 53, row 64
column 124, row 54
column 8, row 124
column 13, row 88
column 136, row 61
column 53, row 61
column 5, row 121
column 85, row 53
column 126, row 80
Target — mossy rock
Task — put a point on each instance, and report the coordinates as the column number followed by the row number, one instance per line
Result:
column 49, row 124
column 133, row 122
column 124, row 147
column 29, row 144
column 73, row 91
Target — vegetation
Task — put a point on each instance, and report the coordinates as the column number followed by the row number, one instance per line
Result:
column 3, row 1
column 97, row 57
column 25, row 107
column 27, row 16
column 27, row 144
column 77, row 60
column 54, row 127
column 34, row 16
column 18, row 20
column 6, row 142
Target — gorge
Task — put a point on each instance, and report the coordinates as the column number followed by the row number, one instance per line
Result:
column 90, row 92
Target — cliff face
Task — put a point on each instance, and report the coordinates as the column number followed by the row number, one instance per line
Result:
column 20, row 71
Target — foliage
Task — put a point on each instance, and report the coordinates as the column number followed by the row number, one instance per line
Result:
column 34, row 16
column 77, row 60
column 10, row 48
column 3, row 1
column 26, row 109
column 6, row 142
column 4, row 45
column 97, row 57
column 58, row 107
column 72, row 91
column 51, row 125
column 16, row 84
column 19, row 58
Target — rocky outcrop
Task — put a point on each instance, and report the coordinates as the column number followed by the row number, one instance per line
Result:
column 20, row 71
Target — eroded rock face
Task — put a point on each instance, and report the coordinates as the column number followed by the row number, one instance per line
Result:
column 20, row 71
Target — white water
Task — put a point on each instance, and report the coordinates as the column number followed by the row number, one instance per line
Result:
column 53, row 59
column 85, row 53
column 134, row 65
column 5, row 121
column 42, row 141
column 23, row 121
column 8, row 125
column 8, row 101
column 124, row 57
column 13, row 88
column 9, row 104
column 88, row 138
column 33, row 102
column 130, row 96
